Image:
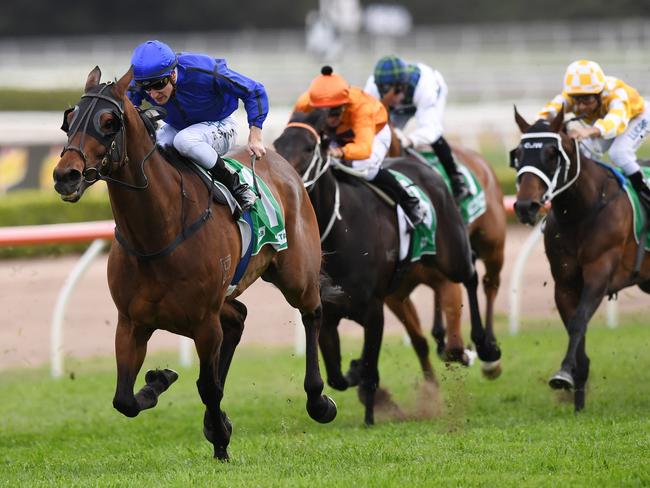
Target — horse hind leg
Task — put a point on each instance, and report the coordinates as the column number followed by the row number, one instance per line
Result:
column 438, row 329
column 233, row 316
column 491, row 282
column 486, row 346
column 302, row 291
column 405, row 311
column 451, row 303
column 130, row 351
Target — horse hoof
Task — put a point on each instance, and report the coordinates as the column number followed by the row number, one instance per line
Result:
column 561, row 381
column 488, row 352
column 163, row 376
column 324, row 412
column 353, row 376
column 491, row 370
column 226, row 422
column 221, row 453
column 340, row 384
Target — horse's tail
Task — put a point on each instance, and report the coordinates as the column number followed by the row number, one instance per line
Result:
column 329, row 292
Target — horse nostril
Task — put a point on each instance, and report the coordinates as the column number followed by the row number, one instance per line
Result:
column 526, row 210
column 66, row 176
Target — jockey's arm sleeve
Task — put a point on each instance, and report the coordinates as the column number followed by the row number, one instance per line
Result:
column 363, row 126
column 251, row 92
column 617, row 118
column 552, row 108
column 429, row 126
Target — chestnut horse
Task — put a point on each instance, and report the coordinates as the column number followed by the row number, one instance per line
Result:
column 360, row 243
column 487, row 237
column 164, row 273
column 588, row 236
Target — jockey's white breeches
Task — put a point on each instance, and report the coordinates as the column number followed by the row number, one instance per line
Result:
column 622, row 148
column 201, row 142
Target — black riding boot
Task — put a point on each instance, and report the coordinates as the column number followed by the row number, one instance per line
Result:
column 389, row 184
column 458, row 186
column 241, row 191
column 641, row 187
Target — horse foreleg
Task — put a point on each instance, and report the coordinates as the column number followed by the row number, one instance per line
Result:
column 330, row 346
column 593, row 291
column 130, row 351
column 216, row 425
column 405, row 311
column 486, row 347
column 373, row 330
column 581, row 375
column 319, row 407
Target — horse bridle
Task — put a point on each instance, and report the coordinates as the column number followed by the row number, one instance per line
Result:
column 110, row 142
column 319, row 166
column 535, row 141
column 114, row 155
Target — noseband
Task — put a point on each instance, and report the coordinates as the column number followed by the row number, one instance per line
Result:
column 534, row 141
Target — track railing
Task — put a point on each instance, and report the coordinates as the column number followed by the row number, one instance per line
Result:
column 100, row 232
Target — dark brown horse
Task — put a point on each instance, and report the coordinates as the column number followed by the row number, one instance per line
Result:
column 360, row 244
column 177, row 254
column 588, row 237
column 487, row 237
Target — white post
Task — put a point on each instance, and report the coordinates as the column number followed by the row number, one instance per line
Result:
column 612, row 314
column 517, row 274
column 56, row 330
column 185, row 351
column 299, row 337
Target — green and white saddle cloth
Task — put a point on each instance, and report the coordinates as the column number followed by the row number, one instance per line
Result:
column 422, row 240
column 637, row 208
column 473, row 205
column 266, row 215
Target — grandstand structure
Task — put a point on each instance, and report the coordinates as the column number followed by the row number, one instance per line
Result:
column 509, row 62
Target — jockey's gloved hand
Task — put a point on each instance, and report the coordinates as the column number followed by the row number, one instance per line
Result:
column 404, row 140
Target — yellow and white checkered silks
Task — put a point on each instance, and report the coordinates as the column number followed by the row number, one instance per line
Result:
column 583, row 77
column 619, row 103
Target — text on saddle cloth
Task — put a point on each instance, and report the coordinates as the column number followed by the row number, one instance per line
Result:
column 422, row 240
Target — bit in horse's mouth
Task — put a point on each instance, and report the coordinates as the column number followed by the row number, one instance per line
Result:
column 71, row 197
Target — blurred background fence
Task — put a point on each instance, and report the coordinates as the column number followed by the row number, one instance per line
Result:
column 489, row 67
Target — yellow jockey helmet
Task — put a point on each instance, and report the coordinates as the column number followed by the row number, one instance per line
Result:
column 584, row 77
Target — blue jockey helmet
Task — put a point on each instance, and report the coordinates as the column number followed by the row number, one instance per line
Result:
column 391, row 70
column 153, row 59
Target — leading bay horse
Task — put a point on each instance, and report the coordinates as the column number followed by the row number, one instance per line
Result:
column 359, row 234
column 177, row 252
column 487, row 237
column 588, row 237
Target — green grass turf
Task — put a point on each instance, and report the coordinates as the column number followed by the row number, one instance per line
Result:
column 514, row 431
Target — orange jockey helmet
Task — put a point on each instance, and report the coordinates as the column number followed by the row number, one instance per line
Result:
column 328, row 89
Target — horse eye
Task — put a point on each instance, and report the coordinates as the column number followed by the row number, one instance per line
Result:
column 111, row 125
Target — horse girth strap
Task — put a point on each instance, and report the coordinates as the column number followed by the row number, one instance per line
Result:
column 185, row 234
